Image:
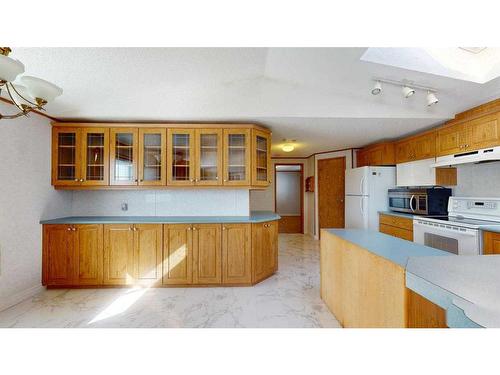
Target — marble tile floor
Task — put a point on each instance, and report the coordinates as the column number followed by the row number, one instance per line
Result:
column 289, row 299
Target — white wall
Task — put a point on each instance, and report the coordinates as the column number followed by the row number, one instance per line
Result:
column 26, row 196
column 173, row 202
column 348, row 154
column 288, row 187
column 478, row 180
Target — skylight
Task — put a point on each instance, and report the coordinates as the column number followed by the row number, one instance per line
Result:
column 474, row 64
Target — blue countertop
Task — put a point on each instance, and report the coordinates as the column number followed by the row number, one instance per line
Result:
column 391, row 248
column 467, row 287
column 399, row 214
column 255, row 217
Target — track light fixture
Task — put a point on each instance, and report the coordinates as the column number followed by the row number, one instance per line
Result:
column 408, row 89
column 377, row 88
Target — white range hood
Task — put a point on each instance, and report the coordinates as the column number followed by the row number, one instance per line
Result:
column 485, row 154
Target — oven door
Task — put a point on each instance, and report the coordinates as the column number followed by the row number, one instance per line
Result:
column 455, row 240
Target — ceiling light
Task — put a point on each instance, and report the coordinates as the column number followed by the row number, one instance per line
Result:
column 408, row 91
column 377, row 88
column 431, row 98
column 288, row 147
column 32, row 97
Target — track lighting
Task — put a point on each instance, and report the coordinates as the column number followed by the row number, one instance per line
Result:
column 431, row 98
column 377, row 88
column 408, row 91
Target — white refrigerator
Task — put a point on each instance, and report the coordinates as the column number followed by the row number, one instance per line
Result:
column 366, row 194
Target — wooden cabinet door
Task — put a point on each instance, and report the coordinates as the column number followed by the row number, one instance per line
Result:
column 152, row 158
column 58, row 255
column 425, row 146
column 375, row 156
column 118, row 254
column 177, row 254
column 123, row 156
column 451, row 140
column 361, row 158
column 491, row 243
column 147, row 253
column 259, row 270
column 207, row 254
column 94, row 156
column 66, row 156
column 237, row 157
column 236, row 254
column 208, row 157
column 180, row 157
column 483, row 132
column 403, row 151
column 261, row 160
column 270, row 245
column 89, row 254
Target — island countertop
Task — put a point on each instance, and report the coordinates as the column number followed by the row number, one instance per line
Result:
column 254, row 217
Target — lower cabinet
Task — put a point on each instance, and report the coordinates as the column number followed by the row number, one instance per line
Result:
column 151, row 254
column 422, row 313
column 396, row 226
column 491, row 243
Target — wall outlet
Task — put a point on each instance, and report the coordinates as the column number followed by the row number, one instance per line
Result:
column 124, row 206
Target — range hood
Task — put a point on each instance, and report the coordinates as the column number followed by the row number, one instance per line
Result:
column 478, row 156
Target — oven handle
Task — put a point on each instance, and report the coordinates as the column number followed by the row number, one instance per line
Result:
column 441, row 229
column 411, row 205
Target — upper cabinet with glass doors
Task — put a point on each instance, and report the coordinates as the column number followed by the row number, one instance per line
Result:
column 141, row 156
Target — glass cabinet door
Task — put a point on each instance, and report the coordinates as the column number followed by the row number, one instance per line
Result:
column 65, row 156
column 208, row 157
column 180, row 157
column 95, row 156
column 123, row 165
column 236, row 157
column 152, row 156
column 261, row 158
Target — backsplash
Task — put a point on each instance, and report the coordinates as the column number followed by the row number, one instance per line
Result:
column 194, row 202
column 478, row 180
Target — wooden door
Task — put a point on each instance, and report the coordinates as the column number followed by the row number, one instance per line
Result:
column 237, row 157
column 207, row 254
column 177, row 254
column 491, row 244
column 259, row 270
column 66, row 156
column 208, row 157
column 95, row 156
column 270, row 246
column 180, row 157
column 152, row 157
column 123, row 156
column 331, row 192
column 483, row 132
column 236, row 254
column 403, row 151
column 147, row 253
column 425, row 146
column 118, row 254
column 58, row 255
column 261, row 160
column 451, row 140
column 89, row 254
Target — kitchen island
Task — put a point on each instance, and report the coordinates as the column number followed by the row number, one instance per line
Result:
column 370, row 279
column 99, row 251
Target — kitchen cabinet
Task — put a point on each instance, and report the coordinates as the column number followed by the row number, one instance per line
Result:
column 265, row 250
column 123, row 156
column 152, row 157
column 236, row 254
column 72, row 255
column 396, row 226
column 422, row 313
column 207, row 254
column 209, row 157
column 418, row 147
column 379, row 154
column 181, row 157
column 261, row 162
column 147, row 253
column 421, row 173
column 177, row 254
column 491, row 243
column 237, row 157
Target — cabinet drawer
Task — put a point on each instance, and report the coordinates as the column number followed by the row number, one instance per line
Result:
column 396, row 221
column 491, row 243
column 396, row 232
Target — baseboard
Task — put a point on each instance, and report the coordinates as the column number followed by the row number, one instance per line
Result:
column 19, row 297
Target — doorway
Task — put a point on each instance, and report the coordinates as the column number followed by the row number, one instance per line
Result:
column 331, row 193
column 289, row 197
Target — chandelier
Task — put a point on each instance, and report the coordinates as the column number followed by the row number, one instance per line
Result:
column 32, row 94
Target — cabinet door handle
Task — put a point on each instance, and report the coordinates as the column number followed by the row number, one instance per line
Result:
column 76, row 180
column 81, row 180
column 223, row 228
column 130, row 228
column 189, row 228
column 216, row 177
column 141, row 180
column 194, row 228
column 69, row 228
column 225, row 180
column 135, row 180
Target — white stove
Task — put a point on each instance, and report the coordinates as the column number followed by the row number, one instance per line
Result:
column 459, row 232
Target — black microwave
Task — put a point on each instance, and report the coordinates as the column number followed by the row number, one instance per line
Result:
column 420, row 201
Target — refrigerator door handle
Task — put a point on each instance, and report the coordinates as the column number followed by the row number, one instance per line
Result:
column 361, row 185
column 361, row 206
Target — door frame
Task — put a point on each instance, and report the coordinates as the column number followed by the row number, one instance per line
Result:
column 301, row 190
column 318, row 190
